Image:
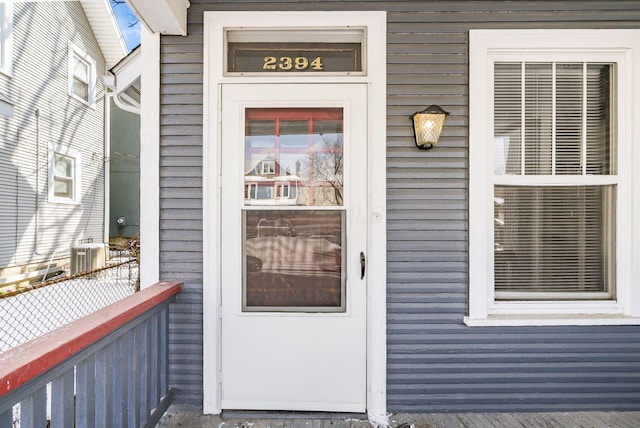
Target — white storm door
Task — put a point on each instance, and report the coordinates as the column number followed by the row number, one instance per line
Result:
column 293, row 212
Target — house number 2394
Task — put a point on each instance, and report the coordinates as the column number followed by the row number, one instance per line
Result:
column 299, row 63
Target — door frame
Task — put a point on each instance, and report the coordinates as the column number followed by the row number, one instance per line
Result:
column 375, row 215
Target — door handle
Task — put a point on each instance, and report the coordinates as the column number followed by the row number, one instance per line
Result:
column 363, row 264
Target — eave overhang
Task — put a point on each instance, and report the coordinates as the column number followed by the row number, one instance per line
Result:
column 106, row 30
column 167, row 17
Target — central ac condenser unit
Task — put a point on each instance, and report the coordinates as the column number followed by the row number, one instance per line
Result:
column 87, row 257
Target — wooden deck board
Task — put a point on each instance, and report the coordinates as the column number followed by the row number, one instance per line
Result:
column 181, row 416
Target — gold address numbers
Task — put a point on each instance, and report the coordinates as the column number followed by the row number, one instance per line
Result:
column 299, row 63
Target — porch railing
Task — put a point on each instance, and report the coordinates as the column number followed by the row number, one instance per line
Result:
column 108, row 369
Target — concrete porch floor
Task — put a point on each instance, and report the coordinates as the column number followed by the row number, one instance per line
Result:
column 191, row 417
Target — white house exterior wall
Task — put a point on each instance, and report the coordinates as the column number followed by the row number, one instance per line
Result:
column 33, row 228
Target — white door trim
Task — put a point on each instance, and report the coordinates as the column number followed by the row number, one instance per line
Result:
column 375, row 23
column 150, row 152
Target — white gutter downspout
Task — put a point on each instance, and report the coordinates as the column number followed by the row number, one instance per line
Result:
column 123, row 105
column 36, row 237
column 106, row 157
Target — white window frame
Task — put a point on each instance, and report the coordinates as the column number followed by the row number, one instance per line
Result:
column 621, row 47
column 282, row 190
column 76, row 52
column 267, row 167
column 6, row 38
column 68, row 152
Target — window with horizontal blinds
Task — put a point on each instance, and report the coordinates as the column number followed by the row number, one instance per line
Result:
column 552, row 124
column 553, row 242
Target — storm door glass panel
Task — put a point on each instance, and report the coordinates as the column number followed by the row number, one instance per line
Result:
column 293, row 260
column 294, row 220
column 300, row 148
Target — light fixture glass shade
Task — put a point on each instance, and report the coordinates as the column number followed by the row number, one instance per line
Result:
column 427, row 126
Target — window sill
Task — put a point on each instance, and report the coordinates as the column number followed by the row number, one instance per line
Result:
column 64, row 202
column 550, row 320
column 91, row 103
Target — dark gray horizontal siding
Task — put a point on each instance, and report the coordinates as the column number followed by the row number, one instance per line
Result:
column 435, row 363
column 181, row 97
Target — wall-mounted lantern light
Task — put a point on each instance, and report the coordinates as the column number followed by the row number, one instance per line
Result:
column 427, row 125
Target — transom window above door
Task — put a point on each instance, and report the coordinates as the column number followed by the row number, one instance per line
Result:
column 310, row 51
column 551, row 176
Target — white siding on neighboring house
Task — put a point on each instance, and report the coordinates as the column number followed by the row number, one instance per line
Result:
column 32, row 225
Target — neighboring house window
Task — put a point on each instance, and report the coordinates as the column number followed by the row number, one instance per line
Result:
column 551, row 174
column 6, row 37
column 283, row 191
column 82, row 76
column 65, row 175
column 268, row 167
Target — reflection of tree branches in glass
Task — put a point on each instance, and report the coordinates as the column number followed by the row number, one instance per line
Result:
column 327, row 164
column 132, row 20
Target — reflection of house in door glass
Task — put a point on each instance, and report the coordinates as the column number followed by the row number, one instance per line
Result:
column 293, row 259
column 293, row 156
